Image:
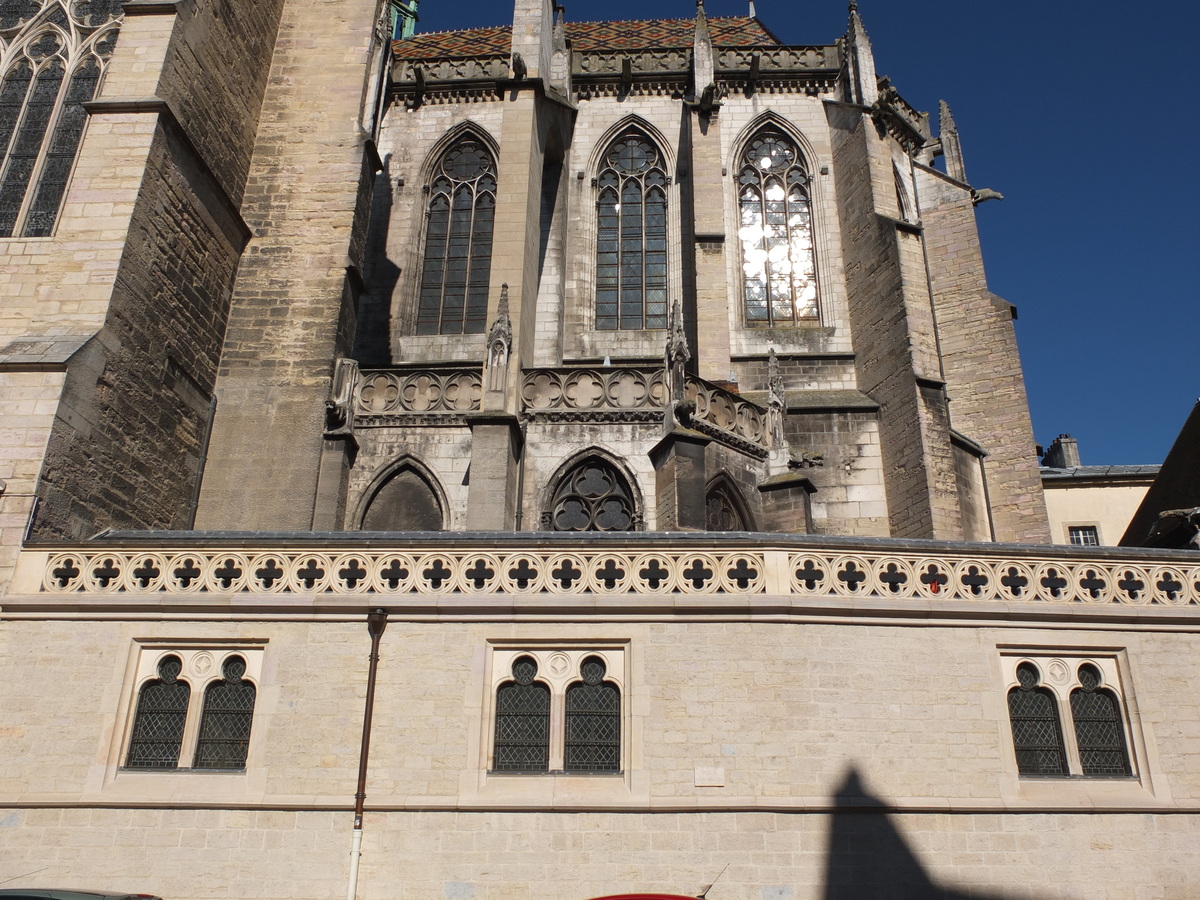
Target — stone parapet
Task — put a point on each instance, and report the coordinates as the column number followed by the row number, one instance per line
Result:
column 180, row 568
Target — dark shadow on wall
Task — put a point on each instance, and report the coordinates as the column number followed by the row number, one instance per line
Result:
column 868, row 859
column 372, row 337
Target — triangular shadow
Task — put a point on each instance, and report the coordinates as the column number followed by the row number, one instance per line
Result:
column 868, row 858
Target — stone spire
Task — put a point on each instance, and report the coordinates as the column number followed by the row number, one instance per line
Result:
column 951, row 148
column 860, row 62
column 703, row 65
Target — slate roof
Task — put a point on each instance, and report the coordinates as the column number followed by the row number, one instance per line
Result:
column 1080, row 473
column 726, row 31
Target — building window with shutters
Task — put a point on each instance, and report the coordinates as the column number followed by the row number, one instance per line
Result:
column 1067, row 716
column 55, row 53
column 193, row 708
column 558, row 710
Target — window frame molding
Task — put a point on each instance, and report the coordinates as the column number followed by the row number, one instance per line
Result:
column 568, row 465
column 1146, row 780
column 203, row 664
column 558, row 668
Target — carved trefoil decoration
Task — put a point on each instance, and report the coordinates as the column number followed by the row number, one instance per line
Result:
column 339, row 408
column 499, row 345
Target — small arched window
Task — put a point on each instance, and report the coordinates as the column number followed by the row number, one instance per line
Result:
column 458, row 241
column 592, row 496
column 1036, row 729
column 56, row 55
column 723, row 507
column 1099, row 730
column 160, row 718
column 522, row 741
column 779, row 271
column 593, row 721
column 631, row 236
column 225, row 722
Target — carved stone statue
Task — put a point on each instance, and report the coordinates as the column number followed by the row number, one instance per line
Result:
column 339, row 408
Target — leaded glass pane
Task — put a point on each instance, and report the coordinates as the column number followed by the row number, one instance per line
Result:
column 593, row 722
column 778, row 261
column 226, row 720
column 522, row 742
column 63, row 146
column 631, row 260
column 457, row 264
column 22, row 157
column 160, row 718
column 592, row 496
column 1037, row 733
column 1099, row 730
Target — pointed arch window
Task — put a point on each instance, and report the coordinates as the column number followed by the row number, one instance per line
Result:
column 159, row 722
column 56, row 55
column 592, row 496
column 723, row 507
column 631, row 236
column 458, row 241
column 779, row 272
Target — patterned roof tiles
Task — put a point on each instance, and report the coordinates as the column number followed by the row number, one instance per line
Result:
column 726, row 31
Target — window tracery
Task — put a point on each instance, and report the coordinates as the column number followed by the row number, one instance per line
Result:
column 55, row 54
column 723, row 511
column 593, row 496
column 631, row 238
column 458, row 241
column 779, row 277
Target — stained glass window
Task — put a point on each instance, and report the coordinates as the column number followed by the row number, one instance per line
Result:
column 225, row 722
column 779, row 275
column 592, row 496
column 631, row 239
column 458, row 242
column 593, row 721
column 160, row 718
column 1037, row 732
column 522, row 721
column 56, row 54
column 1099, row 730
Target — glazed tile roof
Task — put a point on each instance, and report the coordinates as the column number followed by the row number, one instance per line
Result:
column 726, row 31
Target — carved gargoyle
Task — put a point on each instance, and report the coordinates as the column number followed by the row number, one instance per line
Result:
column 807, row 460
column 519, row 69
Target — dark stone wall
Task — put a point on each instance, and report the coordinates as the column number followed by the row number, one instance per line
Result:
column 126, row 443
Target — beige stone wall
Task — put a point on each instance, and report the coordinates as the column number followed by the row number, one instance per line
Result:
column 761, row 745
column 1109, row 507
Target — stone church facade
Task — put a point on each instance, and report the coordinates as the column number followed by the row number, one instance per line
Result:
column 563, row 459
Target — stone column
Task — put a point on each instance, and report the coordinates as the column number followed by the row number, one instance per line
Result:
column 679, row 470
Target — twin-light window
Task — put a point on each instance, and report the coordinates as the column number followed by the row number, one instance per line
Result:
column 1067, row 717
column 195, row 712
column 557, row 711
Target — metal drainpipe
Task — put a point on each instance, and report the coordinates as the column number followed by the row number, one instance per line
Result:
column 376, row 623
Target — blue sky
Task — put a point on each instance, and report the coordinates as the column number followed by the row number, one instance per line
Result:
column 1084, row 116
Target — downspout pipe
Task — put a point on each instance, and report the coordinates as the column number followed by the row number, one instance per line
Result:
column 376, row 623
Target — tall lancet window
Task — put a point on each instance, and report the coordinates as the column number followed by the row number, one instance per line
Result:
column 779, row 272
column 631, row 243
column 54, row 53
column 458, row 241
